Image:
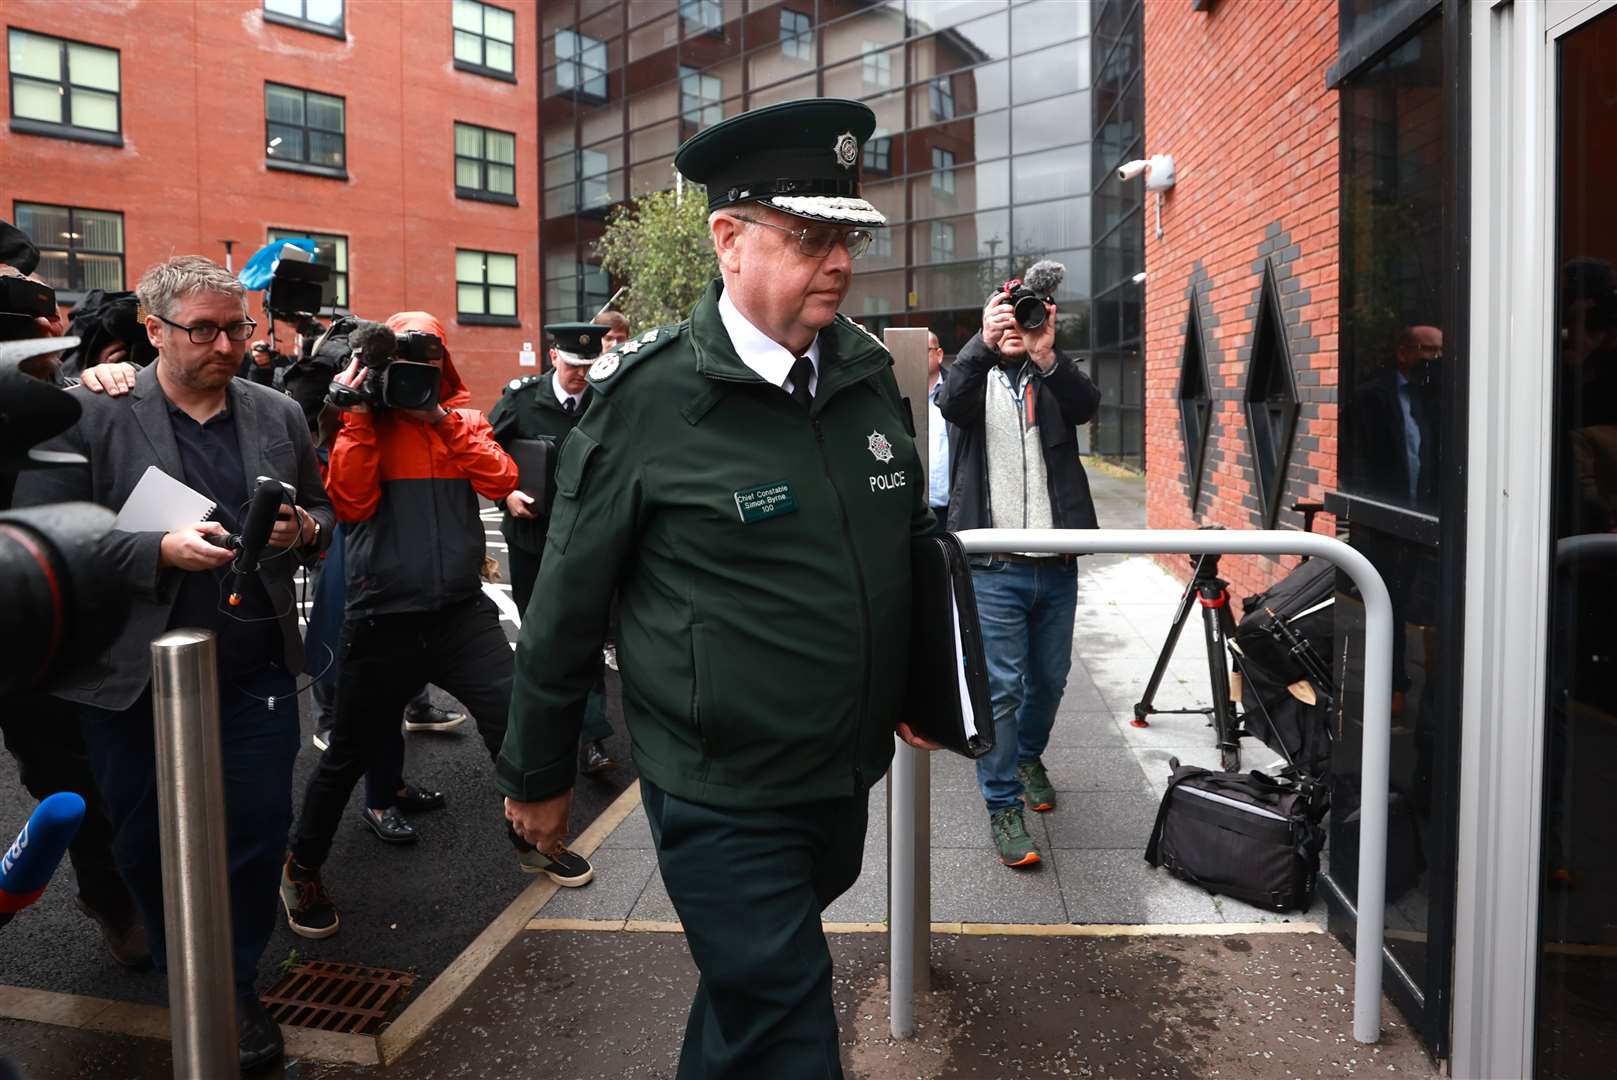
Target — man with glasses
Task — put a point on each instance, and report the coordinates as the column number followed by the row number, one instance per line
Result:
column 752, row 493
column 192, row 419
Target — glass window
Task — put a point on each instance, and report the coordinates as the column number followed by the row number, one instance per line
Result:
column 796, row 35
column 320, row 15
column 303, row 127
column 701, row 16
column 486, row 285
column 850, row 38
column 1051, row 174
column 877, row 68
column 581, row 64
column 961, row 47
column 699, row 97
column 965, row 187
column 329, row 250
column 485, row 38
column 1061, row 70
column 942, row 242
column 940, row 94
column 485, row 161
column 947, row 97
column 79, row 249
column 1036, row 25
column 1056, row 122
column 943, row 176
column 879, row 152
column 64, row 83
column 980, row 138
column 1050, row 226
column 982, row 235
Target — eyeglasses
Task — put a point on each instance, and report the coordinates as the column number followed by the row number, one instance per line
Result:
column 205, row 333
column 816, row 241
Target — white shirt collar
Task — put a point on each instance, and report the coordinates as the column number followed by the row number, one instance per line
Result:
column 562, row 396
column 769, row 359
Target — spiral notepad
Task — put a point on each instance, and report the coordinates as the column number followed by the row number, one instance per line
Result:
column 161, row 503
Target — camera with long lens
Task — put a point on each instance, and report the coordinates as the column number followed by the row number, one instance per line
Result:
column 1027, row 296
column 397, row 370
column 62, row 608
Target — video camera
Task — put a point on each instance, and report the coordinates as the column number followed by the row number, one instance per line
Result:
column 1028, row 297
column 398, row 369
column 22, row 300
column 62, row 608
column 298, row 288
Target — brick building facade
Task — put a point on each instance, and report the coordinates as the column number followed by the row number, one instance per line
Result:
column 1241, row 287
column 190, row 157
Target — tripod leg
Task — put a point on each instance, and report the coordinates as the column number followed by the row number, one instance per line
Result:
column 1215, row 619
column 1143, row 707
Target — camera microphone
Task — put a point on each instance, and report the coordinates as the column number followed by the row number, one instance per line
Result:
column 255, row 534
column 373, row 343
column 1045, row 277
column 27, row 867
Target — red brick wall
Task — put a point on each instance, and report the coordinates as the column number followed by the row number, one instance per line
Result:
column 192, row 169
column 1237, row 95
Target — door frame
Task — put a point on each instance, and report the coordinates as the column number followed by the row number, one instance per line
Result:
column 1512, row 304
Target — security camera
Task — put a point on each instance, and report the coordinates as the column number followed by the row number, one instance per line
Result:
column 1139, row 279
column 1131, row 169
column 1158, row 170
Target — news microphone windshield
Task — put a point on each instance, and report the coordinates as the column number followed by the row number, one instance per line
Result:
column 255, row 534
column 27, row 867
column 1045, row 276
column 373, row 343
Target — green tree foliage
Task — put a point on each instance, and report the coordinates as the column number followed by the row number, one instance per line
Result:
column 659, row 246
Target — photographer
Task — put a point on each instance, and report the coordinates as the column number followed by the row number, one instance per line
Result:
column 1015, row 402
column 189, row 417
column 406, row 470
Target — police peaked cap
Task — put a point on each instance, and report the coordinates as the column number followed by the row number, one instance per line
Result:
column 799, row 157
column 580, row 340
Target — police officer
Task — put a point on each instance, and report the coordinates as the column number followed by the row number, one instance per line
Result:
column 753, row 494
column 548, row 407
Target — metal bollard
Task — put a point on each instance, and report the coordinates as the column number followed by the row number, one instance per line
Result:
column 191, row 823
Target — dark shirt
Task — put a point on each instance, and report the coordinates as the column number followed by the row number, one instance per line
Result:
column 248, row 637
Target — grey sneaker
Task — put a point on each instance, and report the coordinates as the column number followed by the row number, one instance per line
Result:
column 1016, row 847
column 1036, row 789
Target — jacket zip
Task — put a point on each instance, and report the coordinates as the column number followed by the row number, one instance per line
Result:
column 864, row 603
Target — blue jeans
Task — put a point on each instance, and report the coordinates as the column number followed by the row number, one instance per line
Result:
column 1026, row 611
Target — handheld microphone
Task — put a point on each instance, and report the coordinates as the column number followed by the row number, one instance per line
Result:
column 255, row 534
column 26, row 869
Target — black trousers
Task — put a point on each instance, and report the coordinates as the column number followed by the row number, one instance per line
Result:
column 749, row 886
column 258, row 747
column 385, row 659
column 44, row 735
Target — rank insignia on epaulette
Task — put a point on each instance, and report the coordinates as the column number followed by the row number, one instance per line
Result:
column 605, row 366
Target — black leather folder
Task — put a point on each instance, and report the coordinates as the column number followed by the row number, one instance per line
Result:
column 948, row 701
column 535, row 463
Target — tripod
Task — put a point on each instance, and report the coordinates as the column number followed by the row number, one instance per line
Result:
column 1212, row 593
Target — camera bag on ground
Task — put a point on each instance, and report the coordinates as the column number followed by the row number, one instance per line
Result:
column 1299, row 730
column 1247, row 836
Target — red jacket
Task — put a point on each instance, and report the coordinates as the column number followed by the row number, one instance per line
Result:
column 406, row 493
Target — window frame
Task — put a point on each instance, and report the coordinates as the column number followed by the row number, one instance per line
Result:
column 473, row 318
column 280, row 18
column 943, row 171
column 30, row 126
column 335, row 172
column 797, row 41
column 583, row 73
column 484, row 69
column 483, row 193
column 696, row 116
column 70, row 293
column 345, row 303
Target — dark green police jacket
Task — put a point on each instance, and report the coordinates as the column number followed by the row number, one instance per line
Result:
column 528, row 409
column 763, row 557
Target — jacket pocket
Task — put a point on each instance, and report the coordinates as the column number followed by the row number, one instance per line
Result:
column 572, row 469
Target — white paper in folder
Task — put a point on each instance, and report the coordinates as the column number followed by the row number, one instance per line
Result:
column 968, row 718
column 161, row 503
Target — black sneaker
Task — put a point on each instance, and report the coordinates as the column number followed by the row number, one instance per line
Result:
column 389, row 825
column 568, row 869
column 309, row 910
column 432, row 718
column 593, row 758
column 258, row 1038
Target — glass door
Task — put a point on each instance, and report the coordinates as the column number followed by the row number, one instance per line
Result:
column 1576, row 1003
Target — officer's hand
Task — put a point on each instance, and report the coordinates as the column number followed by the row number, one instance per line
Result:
column 1041, row 343
column 188, row 549
column 998, row 317
column 915, row 740
column 113, row 380
column 291, row 524
column 519, row 503
column 542, row 824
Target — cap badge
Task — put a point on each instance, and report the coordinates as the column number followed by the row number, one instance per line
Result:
column 583, row 339
column 846, row 150
column 605, row 366
column 879, row 447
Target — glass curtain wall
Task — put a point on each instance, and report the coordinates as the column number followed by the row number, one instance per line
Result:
column 959, row 88
column 1117, row 361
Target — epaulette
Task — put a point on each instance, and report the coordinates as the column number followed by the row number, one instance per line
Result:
column 608, row 371
column 518, row 384
column 850, row 324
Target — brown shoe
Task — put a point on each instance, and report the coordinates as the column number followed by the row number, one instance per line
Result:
column 124, row 934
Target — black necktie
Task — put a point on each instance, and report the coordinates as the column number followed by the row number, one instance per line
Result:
column 571, row 405
column 802, row 373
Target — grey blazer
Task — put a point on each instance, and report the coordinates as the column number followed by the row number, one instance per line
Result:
column 122, row 436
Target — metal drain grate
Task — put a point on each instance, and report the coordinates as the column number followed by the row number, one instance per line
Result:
column 336, row 997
